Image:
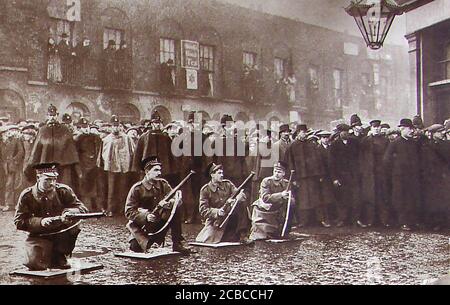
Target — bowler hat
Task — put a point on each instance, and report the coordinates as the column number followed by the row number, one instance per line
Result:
column 284, row 128
column 406, row 123
column 375, row 123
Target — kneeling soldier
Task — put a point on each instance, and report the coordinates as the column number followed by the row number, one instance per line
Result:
column 44, row 211
column 149, row 214
column 269, row 212
column 215, row 205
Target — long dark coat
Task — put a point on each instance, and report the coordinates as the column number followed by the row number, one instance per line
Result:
column 344, row 159
column 402, row 164
column 88, row 147
column 54, row 143
column 436, row 176
column 304, row 158
column 326, row 185
column 372, row 150
column 155, row 143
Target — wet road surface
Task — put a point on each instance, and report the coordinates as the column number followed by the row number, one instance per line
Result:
column 328, row 256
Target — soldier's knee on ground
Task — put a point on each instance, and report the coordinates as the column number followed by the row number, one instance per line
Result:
column 38, row 253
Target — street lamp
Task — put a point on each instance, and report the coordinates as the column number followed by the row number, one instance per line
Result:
column 374, row 19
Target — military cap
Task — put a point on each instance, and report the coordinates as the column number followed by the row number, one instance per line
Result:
column 47, row 169
column 12, row 127
column 149, row 162
column 355, row 120
column 52, row 110
column 406, row 123
column 375, row 123
column 115, row 120
column 323, row 134
column 281, row 165
column 435, row 128
column 212, row 168
column 385, row 125
column 29, row 127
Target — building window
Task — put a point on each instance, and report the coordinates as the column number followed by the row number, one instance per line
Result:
column 337, row 87
column 279, row 68
column 313, row 78
column 207, row 58
column 447, row 62
column 207, row 70
column 249, row 59
column 113, row 34
column 166, row 50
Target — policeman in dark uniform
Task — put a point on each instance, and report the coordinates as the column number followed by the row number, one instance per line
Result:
column 148, row 212
column 42, row 211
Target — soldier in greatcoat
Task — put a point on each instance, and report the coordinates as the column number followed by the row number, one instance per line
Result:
column 149, row 213
column 215, row 204
column 42, row 211
column 270, row 210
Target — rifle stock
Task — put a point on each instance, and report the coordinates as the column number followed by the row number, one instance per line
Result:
column 233, row 196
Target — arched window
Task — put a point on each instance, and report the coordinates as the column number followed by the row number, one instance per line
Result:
column 127, row 113
column 164, row 113
column 12, row 106
column 78, row 110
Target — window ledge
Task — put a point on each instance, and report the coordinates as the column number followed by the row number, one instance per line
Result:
column 37, row 83
column 440, row 83
column 15, row 69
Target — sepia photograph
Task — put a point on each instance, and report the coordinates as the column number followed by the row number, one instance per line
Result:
column 224, row 148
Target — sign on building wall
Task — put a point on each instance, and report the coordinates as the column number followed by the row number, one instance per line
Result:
column 191, row 79
column 190, row 55
column 69, row 10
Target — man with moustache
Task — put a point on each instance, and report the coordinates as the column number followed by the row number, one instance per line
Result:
column 38, row 212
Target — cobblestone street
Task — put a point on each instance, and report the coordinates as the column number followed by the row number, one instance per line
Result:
column 328, row 256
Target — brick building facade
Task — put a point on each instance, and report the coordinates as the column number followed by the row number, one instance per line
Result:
column 335, row 74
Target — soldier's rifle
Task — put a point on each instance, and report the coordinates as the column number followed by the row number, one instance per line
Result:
column 288, row 208
column 234, row 201
column 77, row 218
column 174, row 206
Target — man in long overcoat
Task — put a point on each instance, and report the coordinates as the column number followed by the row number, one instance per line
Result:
column 303, row 157
column 402, row 164
column 372, row 150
